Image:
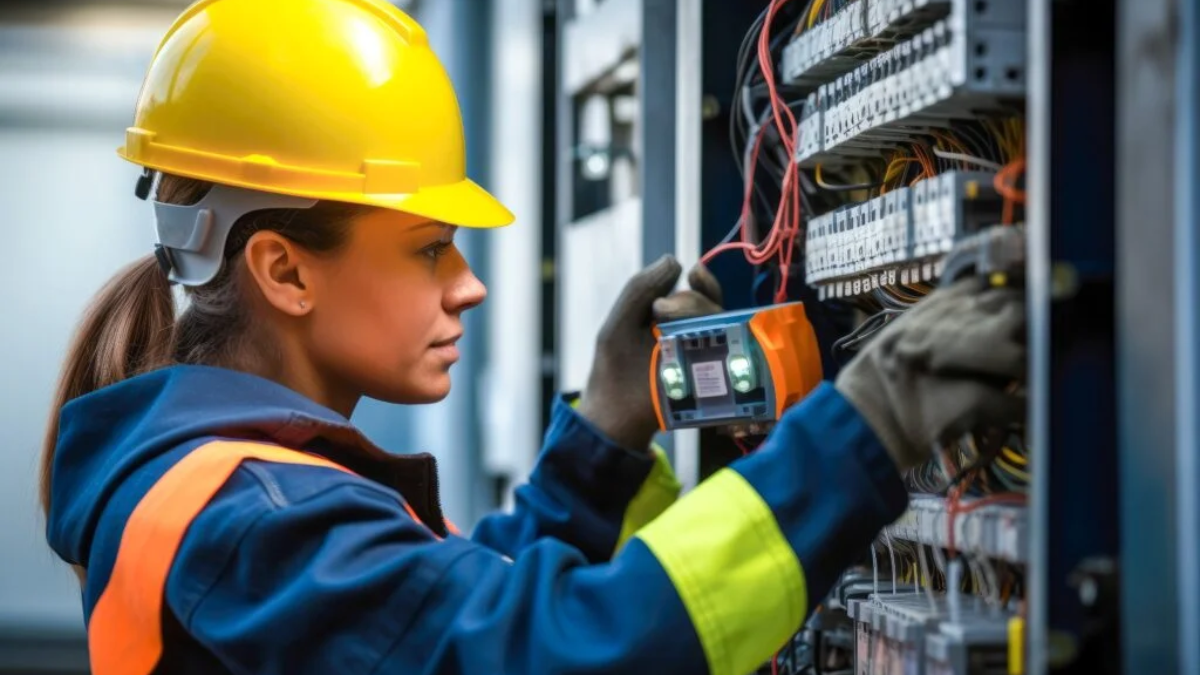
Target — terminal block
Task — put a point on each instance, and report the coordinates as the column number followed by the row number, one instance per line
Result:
column 737, row 369
column 858, row 31
column 977, row 646
column 963, row 66
column 898, row 237
column 905, row 633
column 995, row 531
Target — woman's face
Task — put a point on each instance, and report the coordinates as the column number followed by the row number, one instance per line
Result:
column 387, row 309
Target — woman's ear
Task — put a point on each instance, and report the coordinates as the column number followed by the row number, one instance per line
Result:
column 280, row 270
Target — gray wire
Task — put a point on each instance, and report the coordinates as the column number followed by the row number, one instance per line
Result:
column 970, row 159
column 747, row 105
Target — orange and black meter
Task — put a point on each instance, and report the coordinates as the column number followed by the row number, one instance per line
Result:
column 740, row 368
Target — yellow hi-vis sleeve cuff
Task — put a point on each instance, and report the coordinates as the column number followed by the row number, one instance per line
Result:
column 738, row 577
column 660, row 490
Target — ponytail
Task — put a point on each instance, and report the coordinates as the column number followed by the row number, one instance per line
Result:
column 128, row 330
column 131, row 327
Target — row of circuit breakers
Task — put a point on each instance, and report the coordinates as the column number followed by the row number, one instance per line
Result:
column 969, row 61
column 898, row 237
column 878, row 70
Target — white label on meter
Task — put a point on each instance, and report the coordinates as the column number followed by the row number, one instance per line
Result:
column 709, row 378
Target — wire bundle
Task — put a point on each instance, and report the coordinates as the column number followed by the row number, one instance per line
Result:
column 779, row 242
column 976, row 465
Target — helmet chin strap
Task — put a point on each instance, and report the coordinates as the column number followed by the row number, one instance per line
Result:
column 191, row 239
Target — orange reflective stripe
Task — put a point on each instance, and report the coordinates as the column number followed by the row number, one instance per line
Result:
column 125, row 632
column 452, row 528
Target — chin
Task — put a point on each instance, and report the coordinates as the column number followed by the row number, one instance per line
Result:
column 435, row 394
column 413, row 389
column 428, row 390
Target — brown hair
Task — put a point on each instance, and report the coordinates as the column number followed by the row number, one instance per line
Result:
column 131, row 327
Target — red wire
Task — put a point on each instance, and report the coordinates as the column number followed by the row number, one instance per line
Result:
column 789, row 207
column 1011, row 498
column 744, row 219
column 780, row 241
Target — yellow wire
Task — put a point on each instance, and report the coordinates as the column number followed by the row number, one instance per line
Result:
column 1012, row 456
column 893, row 168
column 1021, row 475
column 1002, row 138
column 951, row 143
column 812, row 13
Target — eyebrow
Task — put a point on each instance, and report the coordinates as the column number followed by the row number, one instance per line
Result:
column 432, row 223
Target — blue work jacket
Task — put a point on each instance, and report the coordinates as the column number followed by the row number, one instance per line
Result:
column 294, row 568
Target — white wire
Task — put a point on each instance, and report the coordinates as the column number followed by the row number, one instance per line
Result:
column 993, row 579
column 970, row 159
column 926, row 573
column 875, row 569
column 953, row 592
column 977, row 580
column 892, row 554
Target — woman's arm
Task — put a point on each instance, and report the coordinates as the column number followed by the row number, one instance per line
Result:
column 328, row 573
column 585, row 490
column 597, row 480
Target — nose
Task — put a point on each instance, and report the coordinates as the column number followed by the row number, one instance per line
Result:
column 465, row 290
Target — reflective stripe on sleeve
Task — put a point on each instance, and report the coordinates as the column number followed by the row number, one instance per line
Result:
column 658, row 491
column 738, row 577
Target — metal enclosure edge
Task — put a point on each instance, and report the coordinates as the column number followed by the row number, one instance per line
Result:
column 1147, row 48
column 1037, row 216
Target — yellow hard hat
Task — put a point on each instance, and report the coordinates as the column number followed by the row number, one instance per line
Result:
column 319, row 99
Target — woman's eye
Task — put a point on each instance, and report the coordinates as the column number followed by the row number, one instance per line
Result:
column 436, row 250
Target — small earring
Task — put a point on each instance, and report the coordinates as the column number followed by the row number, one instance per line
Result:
column 302, row 305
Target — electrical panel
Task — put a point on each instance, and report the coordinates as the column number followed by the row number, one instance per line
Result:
column 883, row 145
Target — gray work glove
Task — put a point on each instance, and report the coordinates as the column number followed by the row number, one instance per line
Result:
column 617, row 396
column 943, row 368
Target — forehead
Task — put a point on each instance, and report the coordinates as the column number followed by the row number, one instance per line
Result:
column 394, row 224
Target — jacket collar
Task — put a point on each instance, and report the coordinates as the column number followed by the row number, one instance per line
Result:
column 107, row 435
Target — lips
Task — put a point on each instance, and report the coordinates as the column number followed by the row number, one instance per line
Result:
column 448, row 342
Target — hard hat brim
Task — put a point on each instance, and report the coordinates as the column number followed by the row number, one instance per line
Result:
column 464, row 204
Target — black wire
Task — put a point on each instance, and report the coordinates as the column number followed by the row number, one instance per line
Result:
column 989, row 144
column 990, row 445
column 748, row 67
column 977, row 141
column 749, row 74
column 735, row 115
column 864, row 330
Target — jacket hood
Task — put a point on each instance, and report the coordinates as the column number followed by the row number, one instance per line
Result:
column 106, row 436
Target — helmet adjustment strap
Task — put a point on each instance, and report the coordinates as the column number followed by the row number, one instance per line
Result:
column 191, row 239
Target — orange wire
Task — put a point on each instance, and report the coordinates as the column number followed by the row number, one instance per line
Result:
column 1005, row 184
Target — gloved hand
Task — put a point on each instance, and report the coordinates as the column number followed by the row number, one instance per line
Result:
column 617, row 396
column 943, row 368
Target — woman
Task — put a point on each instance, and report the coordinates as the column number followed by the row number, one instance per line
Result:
column 225, row 517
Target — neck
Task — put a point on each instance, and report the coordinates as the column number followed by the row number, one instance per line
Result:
column 289, row 365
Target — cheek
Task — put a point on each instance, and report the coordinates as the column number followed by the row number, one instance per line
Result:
column 377, row 326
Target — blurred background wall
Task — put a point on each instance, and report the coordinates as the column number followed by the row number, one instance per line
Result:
column 69, row 75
